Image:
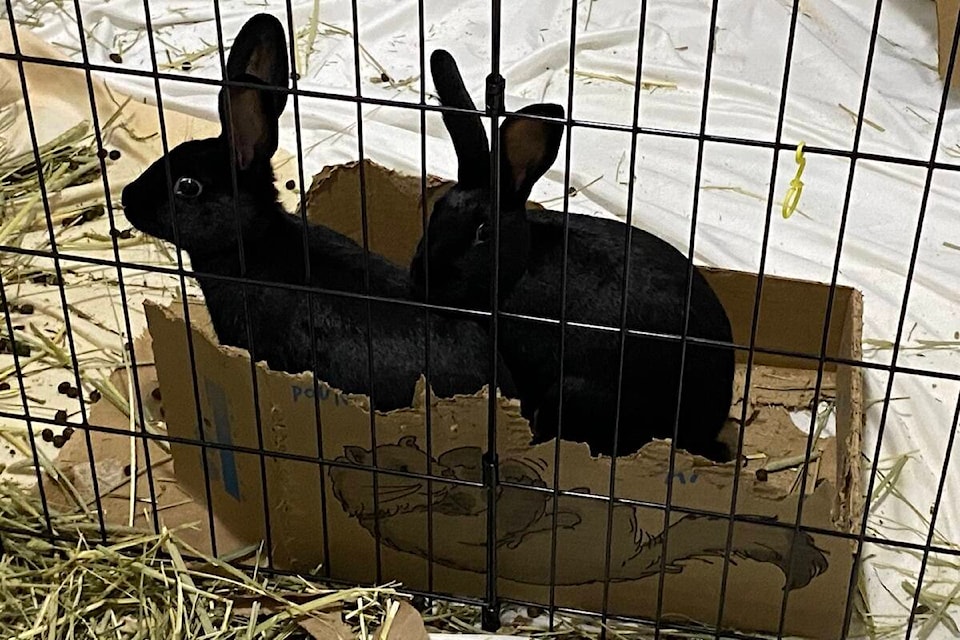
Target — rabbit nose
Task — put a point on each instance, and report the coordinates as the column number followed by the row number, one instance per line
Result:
column 130, row 197
column 126, row 196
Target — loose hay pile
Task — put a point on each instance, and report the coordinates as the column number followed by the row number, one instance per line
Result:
column 138, row 585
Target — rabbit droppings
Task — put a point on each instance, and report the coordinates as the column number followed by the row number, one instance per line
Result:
column 211, row 216
column 531, row 252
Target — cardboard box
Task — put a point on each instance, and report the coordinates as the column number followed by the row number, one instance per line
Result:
column 947, row 11
column 330, row 508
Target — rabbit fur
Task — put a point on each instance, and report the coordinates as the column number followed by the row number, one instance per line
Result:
column 459, row 248
column 275, row 323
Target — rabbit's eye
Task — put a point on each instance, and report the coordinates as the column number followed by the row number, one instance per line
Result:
column 187, row 188
column 483, row 234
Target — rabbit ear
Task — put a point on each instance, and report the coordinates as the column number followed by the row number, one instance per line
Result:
column 251, row 126
column 466, row 130
column 260, row 51
column 527, row 149
column 258, row 56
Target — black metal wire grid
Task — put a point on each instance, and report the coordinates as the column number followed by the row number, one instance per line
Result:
column 495, row 110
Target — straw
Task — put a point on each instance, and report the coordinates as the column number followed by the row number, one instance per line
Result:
column 146, row 585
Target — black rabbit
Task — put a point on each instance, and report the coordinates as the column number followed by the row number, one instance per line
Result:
column 531, row 251
column 210, row 215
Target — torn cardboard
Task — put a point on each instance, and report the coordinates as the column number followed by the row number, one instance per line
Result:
column 431, row 535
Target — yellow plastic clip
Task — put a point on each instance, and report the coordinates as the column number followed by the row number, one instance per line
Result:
column 792, row 199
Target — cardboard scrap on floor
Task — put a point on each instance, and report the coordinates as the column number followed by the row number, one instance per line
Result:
column 947, row 11
column 405, row 624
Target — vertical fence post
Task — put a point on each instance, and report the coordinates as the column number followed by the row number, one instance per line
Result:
column 494, row 109
column 491, row 610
